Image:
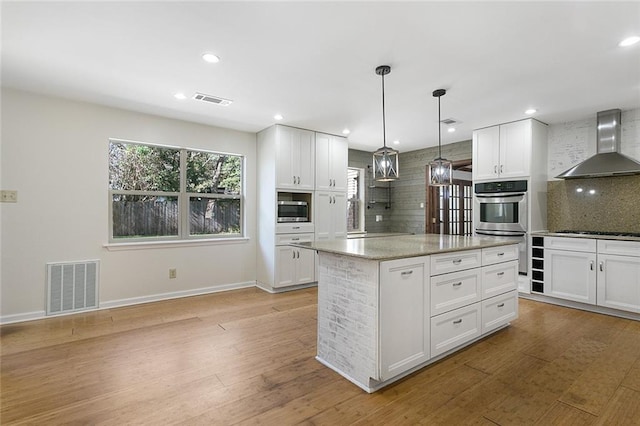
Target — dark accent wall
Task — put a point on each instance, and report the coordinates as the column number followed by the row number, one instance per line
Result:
column 405, row 213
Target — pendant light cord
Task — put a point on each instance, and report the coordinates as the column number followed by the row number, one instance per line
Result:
column 439, row 132
column 384, row 128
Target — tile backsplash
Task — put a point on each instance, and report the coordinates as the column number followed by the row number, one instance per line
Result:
column 600, row 204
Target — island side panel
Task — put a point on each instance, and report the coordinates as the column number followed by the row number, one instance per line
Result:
column 348, row 316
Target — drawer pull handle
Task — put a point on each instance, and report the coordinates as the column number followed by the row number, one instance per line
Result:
column 501, row 305
column 500, row 254
column 295, row 239
column 457, row 261
column 296, row 227
column 405, row 273
column 500, row 273
column 458, row 284
column 458, row 321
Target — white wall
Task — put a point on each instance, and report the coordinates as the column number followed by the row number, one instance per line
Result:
column 55, row 154
column 573, row 142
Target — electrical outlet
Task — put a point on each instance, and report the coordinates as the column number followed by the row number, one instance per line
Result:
column 173, row 273
column 8, row 196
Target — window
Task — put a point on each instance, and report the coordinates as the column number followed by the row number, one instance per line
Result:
column 355, row 200
column 168, row 193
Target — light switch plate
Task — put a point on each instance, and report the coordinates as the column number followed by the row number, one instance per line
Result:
column 8, row 196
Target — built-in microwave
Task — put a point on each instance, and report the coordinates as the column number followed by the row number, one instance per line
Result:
column 293, row 211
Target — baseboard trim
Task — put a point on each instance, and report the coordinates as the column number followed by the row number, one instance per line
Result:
column 37, row 315
column 582, row 306
column 277, row 290
column 175, row 295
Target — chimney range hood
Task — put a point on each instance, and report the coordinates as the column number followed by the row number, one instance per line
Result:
column 608, row 161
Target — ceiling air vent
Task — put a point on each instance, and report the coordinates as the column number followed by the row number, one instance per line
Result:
column 448, row 121
column 212, row 99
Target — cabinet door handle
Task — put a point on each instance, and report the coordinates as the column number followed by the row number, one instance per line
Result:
column 334, row 182
column 495, row 170
column 457, row 261
column 293, row 253
column 500, row 273
column 405, row 273
column 298, row 254
column 501, row 168
column 501, row 305
column 458, row 321
column 458, row 284
column 601, row 266
column 591, row 265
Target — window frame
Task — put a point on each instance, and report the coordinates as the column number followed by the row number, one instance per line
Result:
column 183, row 234
column 360, row 200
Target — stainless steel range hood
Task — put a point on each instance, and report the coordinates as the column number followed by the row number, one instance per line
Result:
column 608, row 161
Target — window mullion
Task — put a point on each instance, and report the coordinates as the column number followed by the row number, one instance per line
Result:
column 183, row 197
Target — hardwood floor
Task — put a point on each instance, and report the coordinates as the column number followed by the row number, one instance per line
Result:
column 247, row 357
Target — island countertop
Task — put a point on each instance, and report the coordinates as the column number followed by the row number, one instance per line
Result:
column 397, row 247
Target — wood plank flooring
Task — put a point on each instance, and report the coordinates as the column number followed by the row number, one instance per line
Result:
column 246, row 357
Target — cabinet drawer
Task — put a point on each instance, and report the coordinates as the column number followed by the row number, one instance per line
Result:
column 454, row 290
column 623, row 248
column 455, row 328
column 458, row 261
column 499, row 254
column 294, row 228
column 284, row 239
column 499, row 278
column 499, row 310
column 574, row 244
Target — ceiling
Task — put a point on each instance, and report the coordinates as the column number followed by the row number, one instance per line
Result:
column 313, row 62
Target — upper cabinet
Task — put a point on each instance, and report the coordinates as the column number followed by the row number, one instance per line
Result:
column 507, row 151
column 331, row 162
column 295, row 158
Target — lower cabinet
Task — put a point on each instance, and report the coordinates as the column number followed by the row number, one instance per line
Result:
column 404, row 315
column 455, row 328
column 618, row 282
column 294, row 266
column 570, row 275
column 499, row 310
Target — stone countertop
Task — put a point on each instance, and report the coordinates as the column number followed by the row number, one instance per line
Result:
column 376, row 234
column 398, row 247
column 591, row 236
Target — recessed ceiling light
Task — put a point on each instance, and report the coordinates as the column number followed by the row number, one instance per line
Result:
column 531, row 111
column 451, row 129
column 346, row 131
column 396, row 142
column 629, row 41
column 278, row 117
column 180, row 96
column 211, row 58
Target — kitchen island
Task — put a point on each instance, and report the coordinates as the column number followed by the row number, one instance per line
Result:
column 391, row 305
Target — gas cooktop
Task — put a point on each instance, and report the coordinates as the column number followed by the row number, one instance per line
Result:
column 615, row 234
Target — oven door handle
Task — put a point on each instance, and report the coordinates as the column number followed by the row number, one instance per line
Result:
column 499, row 194
column 501, row 233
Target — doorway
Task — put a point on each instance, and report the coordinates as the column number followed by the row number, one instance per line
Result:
column 449, row 208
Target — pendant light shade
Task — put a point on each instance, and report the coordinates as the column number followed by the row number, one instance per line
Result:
column 385, row 160
column 440, row 169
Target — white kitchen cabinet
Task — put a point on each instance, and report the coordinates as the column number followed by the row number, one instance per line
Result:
column 294, row 266
column 499, row 310
column 330, row 215
column 570, row 269
column 331, row 162
column 455, row 328
column 404, row 315
column 618, row 283
column 295, row 158
column 505, row 151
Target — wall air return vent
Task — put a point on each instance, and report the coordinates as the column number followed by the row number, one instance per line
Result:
column 212, row 99
column 72, row 286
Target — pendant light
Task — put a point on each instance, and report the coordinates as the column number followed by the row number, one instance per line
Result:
column 439, row 169
column 385, row 160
